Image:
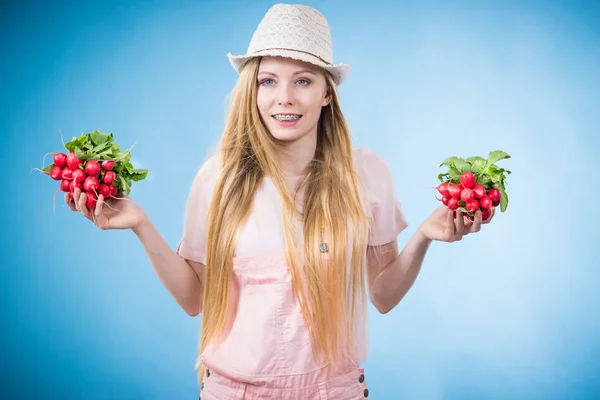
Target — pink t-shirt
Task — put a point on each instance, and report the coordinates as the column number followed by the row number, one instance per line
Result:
column 262, row 239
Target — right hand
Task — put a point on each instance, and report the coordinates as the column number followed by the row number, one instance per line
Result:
column 121, row 213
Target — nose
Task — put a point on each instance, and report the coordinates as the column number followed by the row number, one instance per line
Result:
column 285, row 94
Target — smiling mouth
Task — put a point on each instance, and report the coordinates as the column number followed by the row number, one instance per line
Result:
column 287, row 117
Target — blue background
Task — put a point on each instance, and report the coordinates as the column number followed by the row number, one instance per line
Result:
column 509, row 313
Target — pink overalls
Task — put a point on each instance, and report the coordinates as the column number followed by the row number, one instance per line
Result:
column 267, row 353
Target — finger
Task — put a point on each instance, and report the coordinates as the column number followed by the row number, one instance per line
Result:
column 476, row 227
column 450, row 225
column 467, row 222
column 76, row 195
column 99, row 206
column 69, row 202
column 83, row 206
column 460, row 222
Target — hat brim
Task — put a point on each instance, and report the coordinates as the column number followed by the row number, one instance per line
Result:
column 339, row 71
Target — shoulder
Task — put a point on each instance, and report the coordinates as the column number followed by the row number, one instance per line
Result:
column 208, row 172
column 370, row 165
column 205, row 178
column 209, row 167
column 375, row 176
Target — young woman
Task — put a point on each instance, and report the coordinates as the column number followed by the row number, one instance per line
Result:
column 287, row 226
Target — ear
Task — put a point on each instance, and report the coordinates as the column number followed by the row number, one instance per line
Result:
column 326, row 100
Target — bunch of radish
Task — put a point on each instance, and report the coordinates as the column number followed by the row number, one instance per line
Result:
column 96, row 165
column 474, row 184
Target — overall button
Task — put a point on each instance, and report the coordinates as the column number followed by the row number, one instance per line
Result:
column 207, row 373
column 366, row 393
column 361, row 378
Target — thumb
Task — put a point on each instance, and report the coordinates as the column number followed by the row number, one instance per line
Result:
column 102, row 222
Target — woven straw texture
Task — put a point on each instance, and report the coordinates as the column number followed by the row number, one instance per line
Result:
column 294, row 31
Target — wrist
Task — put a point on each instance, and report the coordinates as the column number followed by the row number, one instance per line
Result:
column 421, row 235
column 142, row 225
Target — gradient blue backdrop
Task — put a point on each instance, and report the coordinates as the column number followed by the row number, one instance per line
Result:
column 510, row 313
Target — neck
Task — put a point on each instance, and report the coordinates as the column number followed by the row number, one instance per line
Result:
column 296, row 155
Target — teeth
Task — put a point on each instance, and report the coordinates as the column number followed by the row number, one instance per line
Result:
column 280, row 117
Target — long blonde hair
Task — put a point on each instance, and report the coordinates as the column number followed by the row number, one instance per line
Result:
column 332, row 207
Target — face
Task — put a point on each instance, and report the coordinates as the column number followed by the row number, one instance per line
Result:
column 290, row 96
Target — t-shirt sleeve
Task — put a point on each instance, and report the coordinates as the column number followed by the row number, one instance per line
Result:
column 192, row 245
column 387, row 218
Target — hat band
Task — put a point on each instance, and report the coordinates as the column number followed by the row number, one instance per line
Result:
column 299, row 51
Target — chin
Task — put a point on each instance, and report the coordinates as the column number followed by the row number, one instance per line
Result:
column 288, row 136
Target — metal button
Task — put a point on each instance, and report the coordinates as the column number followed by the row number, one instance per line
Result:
column 361, row 378
column 366, row 393
column 207, row 373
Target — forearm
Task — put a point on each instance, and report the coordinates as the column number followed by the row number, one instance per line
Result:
column 174, row 272
column 395, row 279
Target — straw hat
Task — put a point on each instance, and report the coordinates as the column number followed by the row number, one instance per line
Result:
column 293, row 31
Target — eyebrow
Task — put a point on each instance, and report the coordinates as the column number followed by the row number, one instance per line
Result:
column 303, row 71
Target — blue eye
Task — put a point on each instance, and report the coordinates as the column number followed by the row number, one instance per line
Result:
column 269, row 81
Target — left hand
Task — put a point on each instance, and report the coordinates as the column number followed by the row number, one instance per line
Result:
column 441, row 224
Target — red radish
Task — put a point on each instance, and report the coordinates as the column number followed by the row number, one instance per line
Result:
column 485, row 214
column 67, row 173
column 109, row 177
column 474, row 184
column 472, row 205
column 454, row 190
column 65, row 185
column 485, row 202
column 91, row 184
column 91, row 200
column 75, row 184
column 467, row 194
column 104, row 190
column 107, row 165
column 92, row 168
column 113, row 190
column 71, row 197
column 56, row 173
column 79, row 175
column 443, row 189
column 453, row 203
column 72, row 161
column 494, row 195
column 479, row 191
column 60, row 159
column 467, row 179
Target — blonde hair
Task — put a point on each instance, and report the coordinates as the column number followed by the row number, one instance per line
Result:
column 327, row 290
